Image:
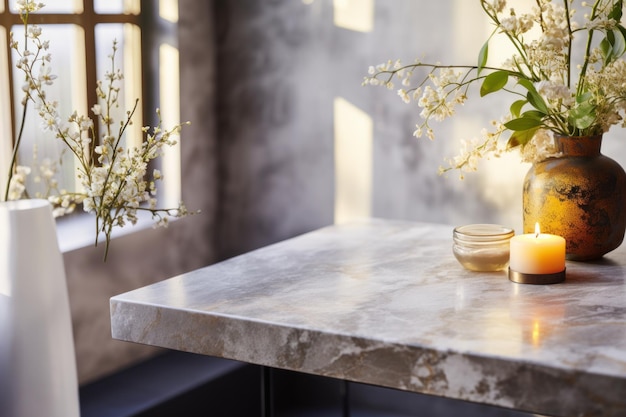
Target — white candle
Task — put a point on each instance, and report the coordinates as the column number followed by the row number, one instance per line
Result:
column 537, row 253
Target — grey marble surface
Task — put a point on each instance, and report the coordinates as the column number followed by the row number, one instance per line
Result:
column 385, row 302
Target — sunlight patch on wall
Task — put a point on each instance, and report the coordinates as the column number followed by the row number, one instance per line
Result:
column 168, row 10
column 357, row 15
column 170, row 112
column 353, row 133
column 503, row 180
column 467, row 43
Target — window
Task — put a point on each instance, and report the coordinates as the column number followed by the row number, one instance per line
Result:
column 81, row 35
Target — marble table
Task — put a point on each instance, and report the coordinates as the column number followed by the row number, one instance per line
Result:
column 386, row 303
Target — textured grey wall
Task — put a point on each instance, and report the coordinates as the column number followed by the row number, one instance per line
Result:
column 274, row 123
column 282, row 64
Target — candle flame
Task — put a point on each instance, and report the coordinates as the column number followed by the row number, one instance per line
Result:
column 537, row 229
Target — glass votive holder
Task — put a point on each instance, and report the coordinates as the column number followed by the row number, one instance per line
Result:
column 482, row 247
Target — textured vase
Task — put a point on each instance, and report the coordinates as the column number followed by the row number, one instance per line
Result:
column 37, row 361
column 580, row 196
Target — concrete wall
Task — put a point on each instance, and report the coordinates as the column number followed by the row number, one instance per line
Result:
column 283, row 65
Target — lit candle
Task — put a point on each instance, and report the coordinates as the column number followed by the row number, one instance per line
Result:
column 537, row 253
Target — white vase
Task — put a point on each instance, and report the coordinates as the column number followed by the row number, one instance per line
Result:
column 37, row 361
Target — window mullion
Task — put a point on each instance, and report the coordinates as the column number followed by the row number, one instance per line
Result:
column 91, row 77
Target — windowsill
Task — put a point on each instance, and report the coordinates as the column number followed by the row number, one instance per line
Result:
column 78, row 230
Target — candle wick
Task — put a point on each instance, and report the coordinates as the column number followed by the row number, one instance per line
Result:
column 536, row 235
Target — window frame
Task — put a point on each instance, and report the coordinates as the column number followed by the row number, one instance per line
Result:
column 87, row 19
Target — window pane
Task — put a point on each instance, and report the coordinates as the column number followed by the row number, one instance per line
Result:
column 116, row 6
column 105, row 35
column 108, row 6
column 127, row 59
column 54, row 6
column 169, row 77
column 38, row 145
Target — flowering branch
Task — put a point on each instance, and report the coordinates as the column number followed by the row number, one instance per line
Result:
column 114, row 181
column 538, row 75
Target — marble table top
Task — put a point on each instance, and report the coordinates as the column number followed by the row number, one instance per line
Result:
column 386, row 303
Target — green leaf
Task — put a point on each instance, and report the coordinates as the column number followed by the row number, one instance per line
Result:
column 622, row 30
column 533, row 96
column 516, row 107
column 606, row 49
column 520, row 138
column 537, row 102
column 619, row 43
column 583, row 115
column 533, row 114
column 613, row 45
column 527, row 84
column 616, row 12
column 584, row 97
column 482, row 56
column 494, row 82
column 523, row 123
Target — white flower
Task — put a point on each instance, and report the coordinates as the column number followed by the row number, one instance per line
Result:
column 85, row 124
column 28, row 6
column 16, row 189
column 47, row 168
column 45, row 75
column 404, row 95
column 50, row 122
column 34, row 31
column 540, row 148
column 555, row 91
column 510, row 24
column 17, row 185
column 499, row 5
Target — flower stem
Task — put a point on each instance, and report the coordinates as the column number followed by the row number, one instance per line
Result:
column 583, row 71
column 16, row 148
column 18, row 141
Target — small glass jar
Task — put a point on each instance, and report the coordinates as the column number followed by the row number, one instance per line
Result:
column 482, row 247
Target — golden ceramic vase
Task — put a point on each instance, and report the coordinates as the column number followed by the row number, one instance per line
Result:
column 580, row 195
